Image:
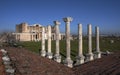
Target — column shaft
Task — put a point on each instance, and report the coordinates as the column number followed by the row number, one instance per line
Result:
column 97, row 52
column 49, row 39
column 80, row 57
column 43, row 38
column 80, row 39
column 57, row 56
column 43, row 52
column 49, row 53
column 89, row 39
column 68, row 39
column 57, row 39
column 97, row 39
column 68, row 60
column 90, row 55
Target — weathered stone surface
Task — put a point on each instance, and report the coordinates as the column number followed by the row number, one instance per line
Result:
column 4, row 52
column 97, row 53
column 5, row 58
column 90, row 55
column 43, row 51
column 12, row 71
column 80, row 58
column 25, row 32
column 68, row 60
column 57, row 56
column 49, row 53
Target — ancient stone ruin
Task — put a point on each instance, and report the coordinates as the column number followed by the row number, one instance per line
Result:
column 80, row 59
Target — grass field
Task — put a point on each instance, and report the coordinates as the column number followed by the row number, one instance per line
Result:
column 105, row 44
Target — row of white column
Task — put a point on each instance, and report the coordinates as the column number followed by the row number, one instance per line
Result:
column 80, row 59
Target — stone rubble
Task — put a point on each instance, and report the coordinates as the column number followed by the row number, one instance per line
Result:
column 7, row 62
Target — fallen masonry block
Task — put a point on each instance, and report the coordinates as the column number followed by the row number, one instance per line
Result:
column 4, row 52
column 8, row 66
column 106, row 53
column 5, row 58
column 11, row 71
column 7, row 62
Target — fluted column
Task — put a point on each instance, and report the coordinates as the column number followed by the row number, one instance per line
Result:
column 80, row 57
column 57, row 56
column 68, row 60
column 89, row 56
column 49, row 53
column 43, row 52
column 97, row 52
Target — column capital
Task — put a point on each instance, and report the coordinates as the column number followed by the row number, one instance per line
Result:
column 49, row 26
column 79, row 24
column 68, row 19
column 97, row 28
column 56, row 22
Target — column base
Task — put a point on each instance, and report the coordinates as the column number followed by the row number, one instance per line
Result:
column 89, row 57
column 80, row 60
column 68, row 62
column 57, row 58
column 43, row 53
column 97, row 55
column 49, row 55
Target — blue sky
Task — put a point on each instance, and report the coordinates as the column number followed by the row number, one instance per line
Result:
column 102, row 13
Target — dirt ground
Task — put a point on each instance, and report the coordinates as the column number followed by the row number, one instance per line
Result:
column 28, row 63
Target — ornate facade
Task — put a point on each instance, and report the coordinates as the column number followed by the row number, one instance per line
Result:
column 25, row 32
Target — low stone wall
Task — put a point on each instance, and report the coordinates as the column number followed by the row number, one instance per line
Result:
column 6, row 61
column 2, row 68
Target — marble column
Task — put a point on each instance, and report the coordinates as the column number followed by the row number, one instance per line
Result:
column 49, row 53
column 57, row 56
column 97, row 52
column 43, row 52
column 80, row 58
column 89, row 56
column 68, row 60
